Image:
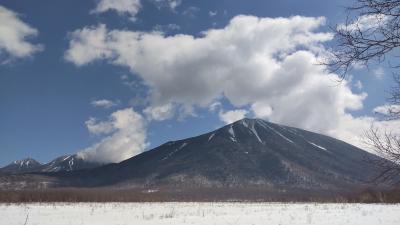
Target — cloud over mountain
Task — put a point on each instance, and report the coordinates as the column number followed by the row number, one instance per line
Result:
column 124, row 135
column 268, row 66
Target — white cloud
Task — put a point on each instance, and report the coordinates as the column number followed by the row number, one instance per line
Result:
column 122, row 7
column 358, row 85
column 190, row 70
column 365, row 23
column 126, row 132
column 191, row 11
column 261, row 110
column 378, row 73
column 387, row 109
column 353, row 129
column 212, row 13
column 14, row 35
column 232, row 115
column 214, row 106
column 104, row 103
column 97, row 128
column 171, row 4
column 266, row 64
column 167, row 28
column 174, row 3
column 159, row 113
column 88, row 44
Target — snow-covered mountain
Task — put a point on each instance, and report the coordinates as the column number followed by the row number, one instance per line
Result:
column 60, row 164
column 68, row 163
column 22, row 166
column 247, row 153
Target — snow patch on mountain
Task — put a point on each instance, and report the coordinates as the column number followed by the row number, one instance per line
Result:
column 252, row 128
column 211, row 137
column 318, row 146
column 266, row 126
column 175, row 151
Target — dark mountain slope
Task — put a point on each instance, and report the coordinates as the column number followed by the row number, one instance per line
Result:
column 61, row 164
column 21, row 166
column 68, row 163
column 247, row 153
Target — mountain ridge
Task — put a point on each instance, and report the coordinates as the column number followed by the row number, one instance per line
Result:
column 249, row 153
column 64, row 163
column 21, row 166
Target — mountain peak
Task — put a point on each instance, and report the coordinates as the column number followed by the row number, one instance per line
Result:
column 27, row 162
column 258, row 130
column 22, row 166
column 60, row 164
column 68, row 163
column 247, row 120
column 248, row 152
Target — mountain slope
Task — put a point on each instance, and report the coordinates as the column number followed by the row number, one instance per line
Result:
column 21, row 166
column 68, row 163
column 60, row 164
column 247, row 153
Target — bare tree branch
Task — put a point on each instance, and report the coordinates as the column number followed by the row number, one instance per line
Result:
column 369, row 36
column 387, row 146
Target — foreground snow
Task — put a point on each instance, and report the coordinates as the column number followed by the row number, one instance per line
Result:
column 198, row 213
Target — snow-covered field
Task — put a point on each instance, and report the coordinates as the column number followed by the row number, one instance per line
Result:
column 198, row 213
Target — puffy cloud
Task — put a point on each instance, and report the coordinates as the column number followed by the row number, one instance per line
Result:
column 90, row 38
column 261, row 110
column 387, row 109
column 104, row 103
column 358, row 85
column 266, row 65
column 238, row 60
column 378, row 73
column 214, row 106
column 159, row 113
column 212, row 13
column 167, row 28
column 365, row 22
column 13, row 36
column 233, row 115
column 97, row 128
column 122, row 7
column 191, row 11
column 353, row 129
column 125, row 132
column 172, row 4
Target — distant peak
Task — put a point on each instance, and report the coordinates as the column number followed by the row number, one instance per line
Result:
column 29, row 159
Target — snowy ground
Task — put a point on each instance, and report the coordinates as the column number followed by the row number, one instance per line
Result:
column 198, row 213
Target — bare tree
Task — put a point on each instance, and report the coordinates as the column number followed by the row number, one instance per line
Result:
column 369, row 36
column 387, row 145
column 371, row 33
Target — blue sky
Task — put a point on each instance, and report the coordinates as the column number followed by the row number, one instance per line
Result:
column 64, row 89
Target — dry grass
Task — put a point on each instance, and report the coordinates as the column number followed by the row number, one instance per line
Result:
column 196, row 195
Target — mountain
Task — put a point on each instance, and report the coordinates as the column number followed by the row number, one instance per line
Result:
column 68, row 163
column 21, row 166
column 61, row 164
column 250, row 153
column 250, row 159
